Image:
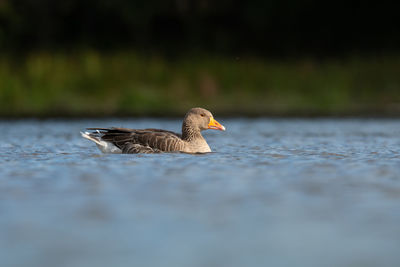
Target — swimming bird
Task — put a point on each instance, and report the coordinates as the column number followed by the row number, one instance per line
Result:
column 131, row 141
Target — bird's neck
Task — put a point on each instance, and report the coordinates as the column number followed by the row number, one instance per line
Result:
column 190, row 134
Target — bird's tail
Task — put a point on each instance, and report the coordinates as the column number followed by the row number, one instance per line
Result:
column 92, row 137
column 104, row 146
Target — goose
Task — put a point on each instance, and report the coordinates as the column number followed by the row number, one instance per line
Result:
column 132, row 141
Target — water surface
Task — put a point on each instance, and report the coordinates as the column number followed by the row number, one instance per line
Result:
column 275, row 192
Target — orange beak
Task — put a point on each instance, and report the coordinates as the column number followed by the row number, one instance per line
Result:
column 215, row 125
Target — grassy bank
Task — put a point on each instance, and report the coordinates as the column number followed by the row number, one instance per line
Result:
column 124, row 83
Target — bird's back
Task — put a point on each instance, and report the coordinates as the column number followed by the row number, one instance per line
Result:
column 140, row 140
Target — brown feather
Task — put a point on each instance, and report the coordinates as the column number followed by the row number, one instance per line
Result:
column 139, row 141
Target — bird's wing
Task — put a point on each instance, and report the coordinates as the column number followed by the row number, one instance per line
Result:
column 141, row 141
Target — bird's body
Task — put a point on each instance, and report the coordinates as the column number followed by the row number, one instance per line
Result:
column 130, row 141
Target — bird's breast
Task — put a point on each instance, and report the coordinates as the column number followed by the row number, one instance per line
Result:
column 199, row 146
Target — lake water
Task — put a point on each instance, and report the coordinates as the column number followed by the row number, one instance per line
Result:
column 275, row 192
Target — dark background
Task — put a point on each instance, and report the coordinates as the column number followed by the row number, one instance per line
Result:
column 321, row 38
column 262, row 28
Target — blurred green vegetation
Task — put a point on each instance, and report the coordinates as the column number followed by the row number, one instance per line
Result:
column 161, row 57
column 91, row 83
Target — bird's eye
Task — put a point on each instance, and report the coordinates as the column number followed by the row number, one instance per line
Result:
column 202, row 115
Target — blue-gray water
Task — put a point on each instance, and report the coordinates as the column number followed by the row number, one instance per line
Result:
column 275, row 192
